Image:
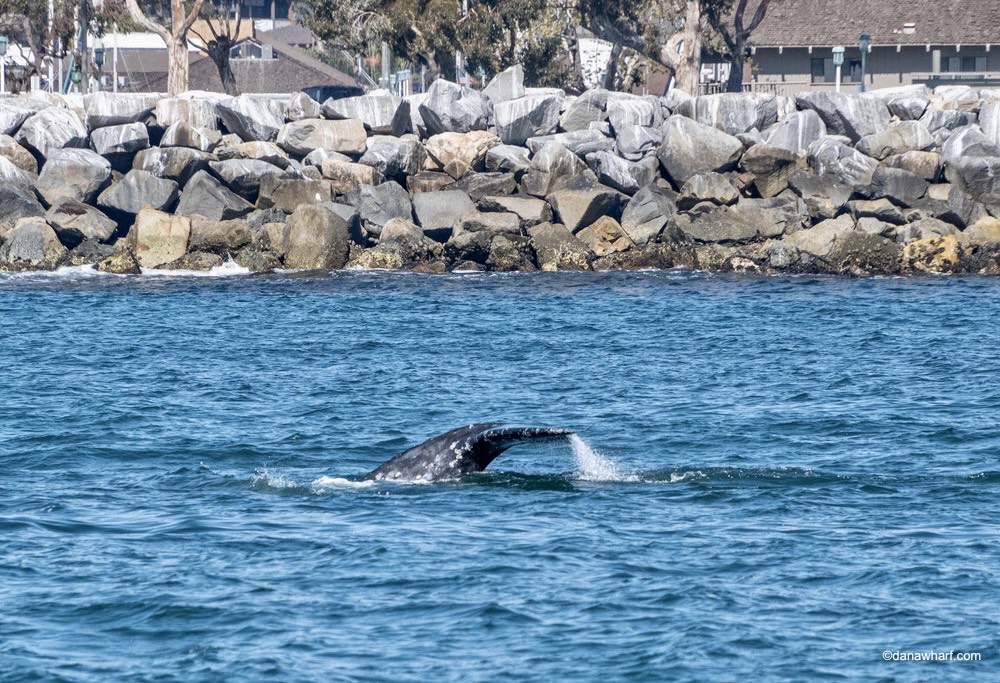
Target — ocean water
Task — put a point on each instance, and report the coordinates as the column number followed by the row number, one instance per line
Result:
column 774, row 478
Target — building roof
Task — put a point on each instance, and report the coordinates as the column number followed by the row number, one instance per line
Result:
column 825, row 23
column 291, row 34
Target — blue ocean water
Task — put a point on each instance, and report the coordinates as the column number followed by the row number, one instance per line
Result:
column 806, row 476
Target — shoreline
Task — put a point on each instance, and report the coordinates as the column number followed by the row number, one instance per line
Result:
column 898, row 181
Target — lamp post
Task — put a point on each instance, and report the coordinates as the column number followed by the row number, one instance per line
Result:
column 4, row 42
column 864, row 42
column 838, row 61
column 99, row 59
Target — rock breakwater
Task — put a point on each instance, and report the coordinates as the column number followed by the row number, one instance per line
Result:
column 508, row 179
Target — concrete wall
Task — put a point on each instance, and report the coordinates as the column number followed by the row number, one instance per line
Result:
column 791, row 70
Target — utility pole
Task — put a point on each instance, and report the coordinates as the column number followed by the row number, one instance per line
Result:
column 52, row 42
column 84, row 61
column 460, row 76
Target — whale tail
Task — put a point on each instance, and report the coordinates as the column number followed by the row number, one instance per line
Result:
column 460, row 451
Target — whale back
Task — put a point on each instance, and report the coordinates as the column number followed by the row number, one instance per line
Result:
column 460, row 451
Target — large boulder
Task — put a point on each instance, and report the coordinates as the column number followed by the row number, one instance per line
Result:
column 605, row 236
column 437, row 213
column 820, row 240
column 14, row 176
column 301, row 106
column 771, row 167
column 75, row 222
column 554, row 167
column 198, row 112
column 139, row 189
column 158, row 238
column 724, row 225
column 452, row 108
column 527, row 117
column 31, row 245
column 508, row 159
column 624, row 113
column 252, row 118
column 457, row 153
column 579, row 142
column 824, row 196
column 346, row 176
column 381, row 112
column 378, row 204
column 244, row 176
column 978, row 176
column 106, row 109
column 127, row 138
column 637, row 142
column 854, row 116
column 257, row 151
column 287, row 194
column 530, row 210
column 557, row 249
column 218, row 237
column 18, row 155
column 506, row 85
column 205, row 196
column 902, row 188
column 968, row 142
column 576, row 209
column 14, row 111
column 316, row 237
column 73, row 175
column 732, row 112
column 490, row 222
column 828, row 157
column 690, row 148
column 479, row 185
column 927, row 165
column 944, row 120
column 175, row 163
column 302, row 137
column 586, row 109
column 50, row 130
column 989, row 119
column 402, row 245
column 621, row 174
column 16, row 203
column 394, row 158
column 647, row 215
column 797, row 131
column 183, row 134
column 898, row 138
column 714, row 188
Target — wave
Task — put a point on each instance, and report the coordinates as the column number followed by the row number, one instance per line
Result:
column 227, row 269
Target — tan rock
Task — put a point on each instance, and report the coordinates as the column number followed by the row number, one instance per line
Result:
column 345, row 176
column 605, row 236
column 157, row 238
column 457, row 153
column 932, row 254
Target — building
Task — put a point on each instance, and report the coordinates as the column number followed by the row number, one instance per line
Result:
column 918, row 41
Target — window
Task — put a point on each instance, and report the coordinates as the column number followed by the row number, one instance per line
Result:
column 818, row 70
column 966, row 64
column 854, row 69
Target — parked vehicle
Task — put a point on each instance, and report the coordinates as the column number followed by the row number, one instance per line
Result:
column 321, row 93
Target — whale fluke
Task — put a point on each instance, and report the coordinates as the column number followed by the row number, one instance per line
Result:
column 460, row 451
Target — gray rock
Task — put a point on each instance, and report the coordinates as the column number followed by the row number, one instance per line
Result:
column 175, row 163
column 637, row 142
column 31, row 245
column 252, row 118
column 527, row 117
column 647, row 214
column 511, row 253
column 707, row 187
column 301, row 106
column 554, row 167
column 946, row 119
column 900, row 187
column 244, row 176
column 15, row 204
column 927, row 165
column 854, row 116
column 138, row 189
column 624, row 113
column 968, row 142
column 458, row 153
column 690, row 148
column 827, row 157
column 882, row 209
column 379, row 204
column 302, row 137
column 218, row 237
column 182, row 134
column 259, row 151
column 72, row 175
column 557, row 249
column 75, row 222
column 924, row 228
column 773, row 216
column 732, row 112
column 771, row 167
column 381, row 112
column 345, row 176
column 197, row 112
column 492, row 223
column 11, row 175
column 17, row 155
column 127, row 138
column 429, row 181
column 820, row 241
column 586, row 109
column 15, row 111
column 50, row 130
column 908, row 108
column 905, row 136
column 450, row 107
column 621, row 174
column 576, row 209
column 316, row 237
column 796, row 132
column 88, row 252
column 530, row 210
column 394, row 158
column 723, row 225
column 438, row 212
column 479, row 185
column 978, row 176
column 205, row 196
column 402, row 245
column 989, row 120
column 507, row 158
column 580, row 142
column 316, row 157
column 824, row 197
column 287, row 194
column 506, row 85
column 106, row 109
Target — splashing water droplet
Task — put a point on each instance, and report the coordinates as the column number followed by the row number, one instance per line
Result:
column 591, row 465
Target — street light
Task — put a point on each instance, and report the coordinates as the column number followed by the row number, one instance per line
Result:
column 838, row 61
column 864, row 42
column 4, row 42
column 99, row 59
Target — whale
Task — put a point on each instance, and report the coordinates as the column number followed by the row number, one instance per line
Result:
column 459, row 452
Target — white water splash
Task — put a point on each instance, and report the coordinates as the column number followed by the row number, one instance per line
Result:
column 226, row 269
column 263, row 478
column 324, row 483
column 593, row 466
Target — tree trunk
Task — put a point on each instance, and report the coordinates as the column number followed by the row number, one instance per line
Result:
column 611, row 70
column 682, row 52
column 737, row 59
column 177, row 66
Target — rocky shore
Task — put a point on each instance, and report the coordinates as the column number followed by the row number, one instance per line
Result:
column 507, row 179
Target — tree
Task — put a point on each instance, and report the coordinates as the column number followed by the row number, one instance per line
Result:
column 224, row 37
column 735, row 34
column 177, row 17
column 26, row 22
